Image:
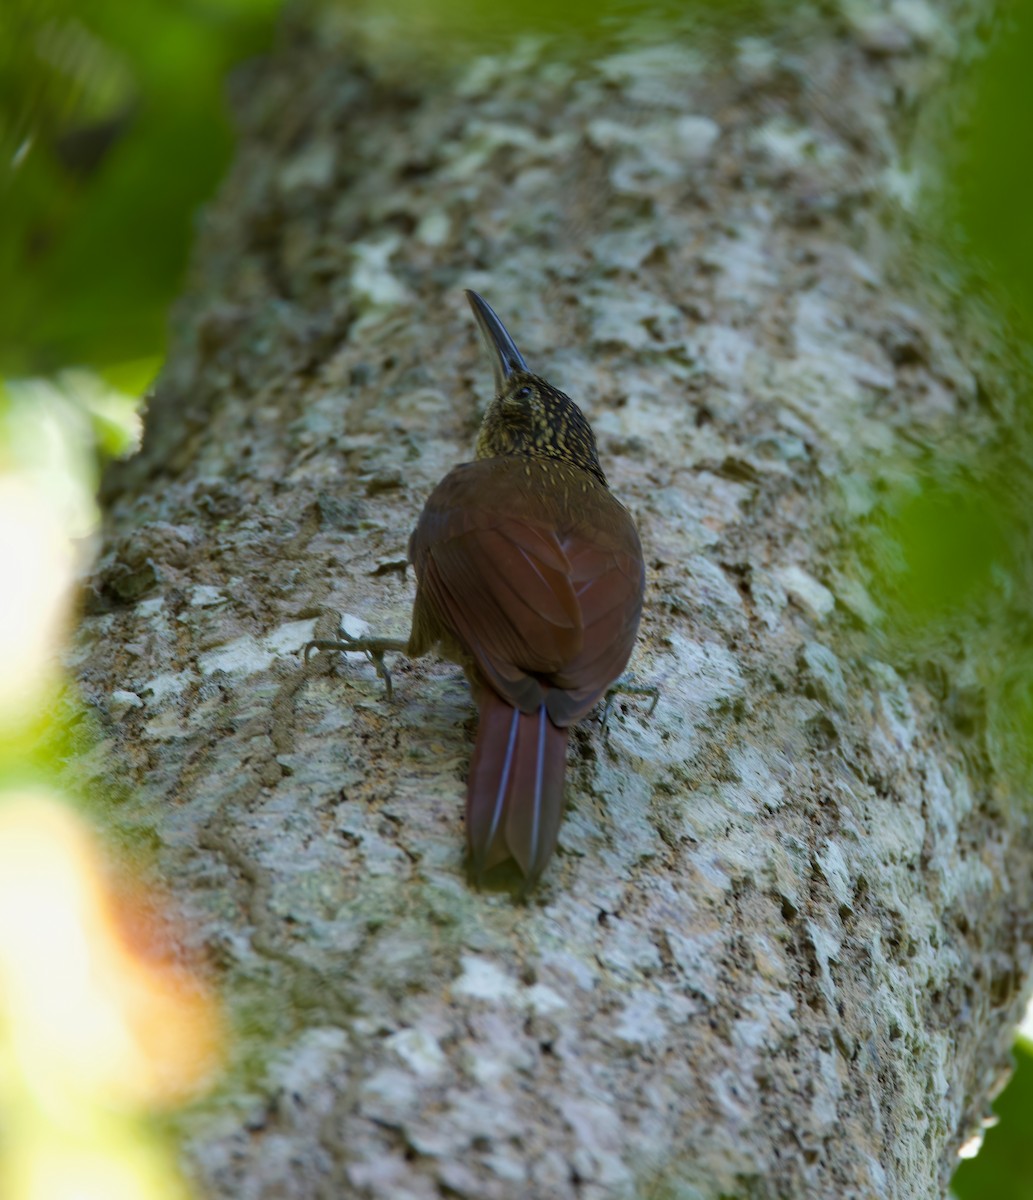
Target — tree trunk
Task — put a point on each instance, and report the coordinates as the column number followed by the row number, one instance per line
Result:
column 781, row 949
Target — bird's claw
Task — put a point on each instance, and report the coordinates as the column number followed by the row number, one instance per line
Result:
column 373, row 648
column 628, row 689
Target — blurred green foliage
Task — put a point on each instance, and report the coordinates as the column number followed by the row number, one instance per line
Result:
column 112, row 130
column 992, row 160
column 1003, row 1169
column 937, row 545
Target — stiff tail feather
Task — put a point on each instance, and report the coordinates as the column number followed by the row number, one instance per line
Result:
column 514, row 797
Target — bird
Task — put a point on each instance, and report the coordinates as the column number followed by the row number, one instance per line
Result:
column 530, row 576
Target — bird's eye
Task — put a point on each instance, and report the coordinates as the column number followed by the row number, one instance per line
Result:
column 523, row 394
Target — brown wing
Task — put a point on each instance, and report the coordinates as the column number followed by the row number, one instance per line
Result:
column 536, row 594
column 494, row 575
column 608, row 580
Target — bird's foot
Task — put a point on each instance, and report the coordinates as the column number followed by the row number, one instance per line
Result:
column 373, row 647
column 626, row 687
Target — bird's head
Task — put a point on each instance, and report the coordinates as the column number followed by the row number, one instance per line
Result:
column 528, row 415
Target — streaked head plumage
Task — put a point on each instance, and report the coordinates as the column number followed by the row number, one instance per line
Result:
column 528, row 416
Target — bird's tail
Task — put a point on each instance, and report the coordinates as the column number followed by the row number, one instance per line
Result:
column 514, row 797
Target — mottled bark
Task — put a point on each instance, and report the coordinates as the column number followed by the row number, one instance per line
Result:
column 782, row 945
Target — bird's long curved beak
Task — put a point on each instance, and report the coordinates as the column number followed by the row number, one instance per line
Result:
column 506, row 359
